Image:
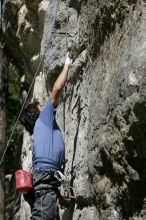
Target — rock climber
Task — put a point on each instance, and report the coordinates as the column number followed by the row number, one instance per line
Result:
column 47, row 149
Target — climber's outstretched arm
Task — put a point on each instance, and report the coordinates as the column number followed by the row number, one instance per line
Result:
column 60, row 82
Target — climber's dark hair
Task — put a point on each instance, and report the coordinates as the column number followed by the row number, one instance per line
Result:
column 29, row 116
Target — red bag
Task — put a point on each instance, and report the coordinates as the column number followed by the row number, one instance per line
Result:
column 23, row 180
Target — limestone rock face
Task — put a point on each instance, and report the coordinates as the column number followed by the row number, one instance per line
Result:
column 105, row 98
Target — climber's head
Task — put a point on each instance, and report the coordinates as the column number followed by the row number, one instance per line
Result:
column 30, row 115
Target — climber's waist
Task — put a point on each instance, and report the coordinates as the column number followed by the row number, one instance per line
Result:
column 45, row 164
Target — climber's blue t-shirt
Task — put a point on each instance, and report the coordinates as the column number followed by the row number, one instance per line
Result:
column 48, row 141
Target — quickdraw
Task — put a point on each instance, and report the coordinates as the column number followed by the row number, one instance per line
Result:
column 67, row 192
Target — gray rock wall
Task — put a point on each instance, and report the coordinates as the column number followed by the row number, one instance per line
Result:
column 105, row 101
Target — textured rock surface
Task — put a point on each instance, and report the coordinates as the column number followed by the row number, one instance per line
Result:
column 105, row 99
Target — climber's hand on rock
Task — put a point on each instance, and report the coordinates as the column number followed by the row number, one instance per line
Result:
column 68, row 59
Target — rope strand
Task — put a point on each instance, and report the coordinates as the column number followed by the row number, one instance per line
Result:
column 66, row 50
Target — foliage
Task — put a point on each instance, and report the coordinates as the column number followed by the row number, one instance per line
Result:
column 12, row 111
